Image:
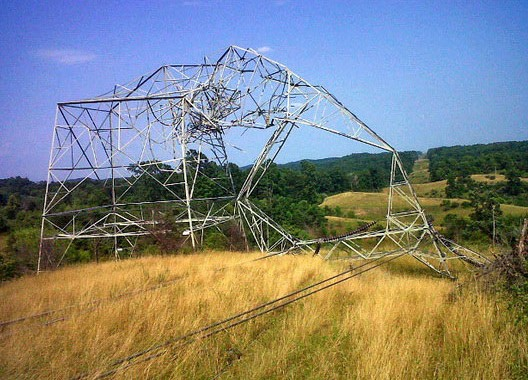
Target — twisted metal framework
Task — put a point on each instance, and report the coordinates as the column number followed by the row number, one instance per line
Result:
column 170, row 127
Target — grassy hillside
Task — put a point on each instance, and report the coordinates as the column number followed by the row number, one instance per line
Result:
column 437, row 188
column 396, row 322
column 373, row 206
column 419, row 177
column 420, row 171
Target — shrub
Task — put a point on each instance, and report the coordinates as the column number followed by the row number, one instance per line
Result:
column 24, row 245
column 8, row 267
column 216, row 240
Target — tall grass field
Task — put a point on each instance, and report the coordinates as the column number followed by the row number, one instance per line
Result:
column 399, row 321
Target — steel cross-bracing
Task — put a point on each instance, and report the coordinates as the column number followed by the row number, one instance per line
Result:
column 157, row 149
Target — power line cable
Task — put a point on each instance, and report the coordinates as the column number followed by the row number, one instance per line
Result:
column 231, row 322
column 99, row 302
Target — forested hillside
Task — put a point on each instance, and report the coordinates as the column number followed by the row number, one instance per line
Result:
column 367, row 171
column 457, row 161
column 456, row 165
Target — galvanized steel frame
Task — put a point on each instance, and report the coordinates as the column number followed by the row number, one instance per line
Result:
column 182, row 107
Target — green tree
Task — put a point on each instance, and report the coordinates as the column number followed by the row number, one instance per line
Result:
column 8, row 266
column 13, row 206
column 452, row 189
column 454, row 226
column 308, row 182
column 513, row 183
column 23, row 244
column 150, row 175
column 486, row 211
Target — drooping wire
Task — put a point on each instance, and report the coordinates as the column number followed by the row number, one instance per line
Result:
column 102, row 301
column 231, row 322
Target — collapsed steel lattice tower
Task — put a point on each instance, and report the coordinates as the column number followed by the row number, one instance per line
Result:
column 170, row 127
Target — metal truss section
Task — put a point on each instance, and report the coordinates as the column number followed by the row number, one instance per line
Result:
column 158, row 147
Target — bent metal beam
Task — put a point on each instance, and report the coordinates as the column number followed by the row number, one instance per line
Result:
column 147, row 149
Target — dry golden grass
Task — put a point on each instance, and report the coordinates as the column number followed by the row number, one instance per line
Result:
column 437, row 189
column 339, row 225
column 396, row 322
column 427, row 189
column 492, row 178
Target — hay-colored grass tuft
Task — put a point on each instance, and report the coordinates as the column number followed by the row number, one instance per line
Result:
column 396, row 322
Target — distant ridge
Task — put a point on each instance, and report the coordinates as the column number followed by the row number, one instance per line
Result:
column 358, row 162
column 498, row 157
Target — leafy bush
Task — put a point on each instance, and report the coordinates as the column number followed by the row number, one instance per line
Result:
column 78, row 255
column 8, row 267
column 448, row 205
column 216, row 240
column 23, row 243
column 511, row 272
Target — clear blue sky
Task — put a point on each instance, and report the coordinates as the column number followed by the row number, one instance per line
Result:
column 421, row 74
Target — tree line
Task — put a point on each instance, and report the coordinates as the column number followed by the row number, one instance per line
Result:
column 460, row 161
column 290, row 194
